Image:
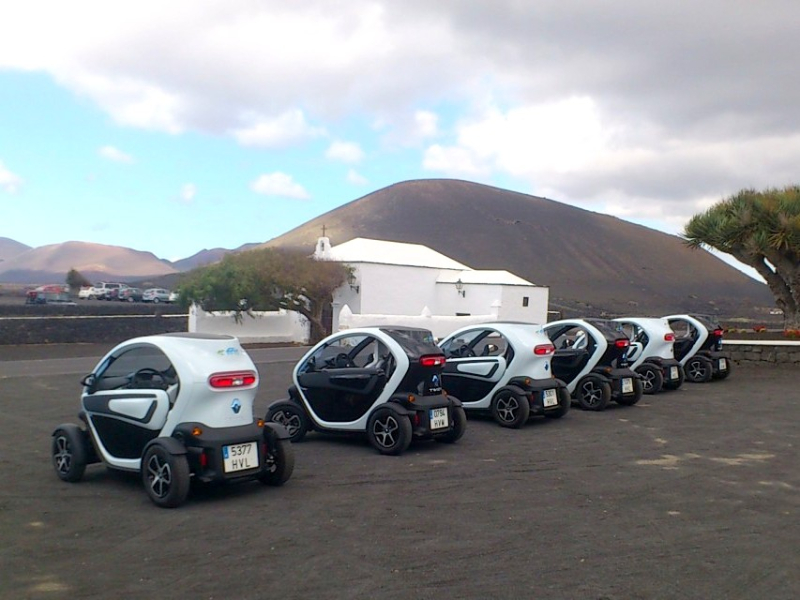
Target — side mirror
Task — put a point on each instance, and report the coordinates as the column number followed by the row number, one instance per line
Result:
column 89, row 381
column 490, row 349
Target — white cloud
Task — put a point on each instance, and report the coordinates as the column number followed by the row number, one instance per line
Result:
column 356, row 178
column 279, row 184
column 188, row 192
column 427, row 123
column 454, row 161
column 9, row 181
column 287, row 128
column 115, row 154
column 347, row 152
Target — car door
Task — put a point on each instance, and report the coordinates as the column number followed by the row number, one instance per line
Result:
column 344, row 378
column 126, row 400
column 476, row 361
column 574, row 346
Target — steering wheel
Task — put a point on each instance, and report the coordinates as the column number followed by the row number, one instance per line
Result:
column 466, row 351
column 343, row 361
column 143, row 378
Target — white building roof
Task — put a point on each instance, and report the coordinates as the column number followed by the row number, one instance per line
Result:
column 483, row 277
column 363, row 250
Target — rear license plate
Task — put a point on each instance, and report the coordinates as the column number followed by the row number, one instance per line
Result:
column 239, row 457
column 723, row 364
column 438, row 417
column 627, row 385
column 673, row 373
column 550, row 398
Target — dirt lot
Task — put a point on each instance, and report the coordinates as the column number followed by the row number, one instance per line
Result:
column 690, row 494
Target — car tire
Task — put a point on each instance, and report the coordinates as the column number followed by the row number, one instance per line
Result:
column 459, row 426
column 638, row 389
column 70, row 452
column 389, row 432
column 280, row 458
column 652, row 378
column 593, row 393
column 510, row 407
column 564, row 405
column 698, row 369
column 291, row 416
column 165, row 476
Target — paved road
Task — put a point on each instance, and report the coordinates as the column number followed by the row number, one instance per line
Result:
column 691, row 494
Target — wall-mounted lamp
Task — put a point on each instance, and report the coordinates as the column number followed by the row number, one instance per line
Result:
column 351, row 279
column 460, row 288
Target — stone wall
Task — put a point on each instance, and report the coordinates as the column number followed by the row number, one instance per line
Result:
column 112, row 329
column 763, row 352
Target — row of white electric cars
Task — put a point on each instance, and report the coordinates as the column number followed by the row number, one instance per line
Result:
column 177, row 408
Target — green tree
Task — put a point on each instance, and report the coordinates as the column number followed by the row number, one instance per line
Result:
column 760, row 229
column 266, row 279
column 76, row 281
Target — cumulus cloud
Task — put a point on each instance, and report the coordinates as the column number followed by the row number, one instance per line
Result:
column 280, row 185
column 356, row 178
column 347, row 152
column 283, row 130
column 115, row 154
column 9, row 181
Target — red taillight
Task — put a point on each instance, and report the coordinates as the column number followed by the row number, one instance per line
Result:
column 544, row 349
column 232, row 380
column 669, row 337
column 432, row 360
column 203, row 460
column 718, row 333
column 622, row 343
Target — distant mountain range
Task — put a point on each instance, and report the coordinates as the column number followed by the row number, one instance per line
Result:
column 591, row 262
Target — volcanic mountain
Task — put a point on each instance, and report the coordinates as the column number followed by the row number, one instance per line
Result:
column 592, row 263
column 94, row 261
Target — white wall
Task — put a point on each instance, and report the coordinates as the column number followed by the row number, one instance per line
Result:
column 281, row 326
column 440, row 325
column 512, row 309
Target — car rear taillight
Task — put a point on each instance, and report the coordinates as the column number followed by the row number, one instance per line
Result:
column 622, row 343
column 544, row 349
column 718, row 333
column 232, row 380
column 669, row 337
column 432, row 360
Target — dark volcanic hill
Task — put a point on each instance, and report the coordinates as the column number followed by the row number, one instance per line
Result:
column 10, row 248
column 591, row 262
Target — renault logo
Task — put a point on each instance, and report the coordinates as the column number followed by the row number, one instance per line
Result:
column 236, row 406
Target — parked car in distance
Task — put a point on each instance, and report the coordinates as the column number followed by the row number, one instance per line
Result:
column 103, row 290
column 155, row 295
column 504, row 369
column 698, row 347
column 49, row 294
column 130, row 294
column 174, row 297
column 651, row 353
column 85, row 292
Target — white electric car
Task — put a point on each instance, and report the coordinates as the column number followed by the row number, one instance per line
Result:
column 504, row 369
column 651, row 353
column 174, row 407
column 591, row 357
column 382, row 381
column 698, row 347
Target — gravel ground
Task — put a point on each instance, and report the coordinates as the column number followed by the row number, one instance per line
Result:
column 690, row 494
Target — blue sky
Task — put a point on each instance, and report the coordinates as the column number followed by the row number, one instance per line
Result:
column 173, row 127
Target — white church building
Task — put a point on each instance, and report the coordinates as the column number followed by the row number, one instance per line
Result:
column 411, row 284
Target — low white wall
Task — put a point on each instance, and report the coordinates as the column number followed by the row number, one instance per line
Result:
column 280, row 326
column 440, row 325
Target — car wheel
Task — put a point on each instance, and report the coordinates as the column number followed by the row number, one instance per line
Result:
column 70, row 452
column 459, row 426
column 698, row 369
column 630, row 400
column 291, row 416
column 510, row 407
column 652, row 378
column 165, row 476
column 280, row 462
column 593, row 393
column 564, row 405
column 389, row 432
